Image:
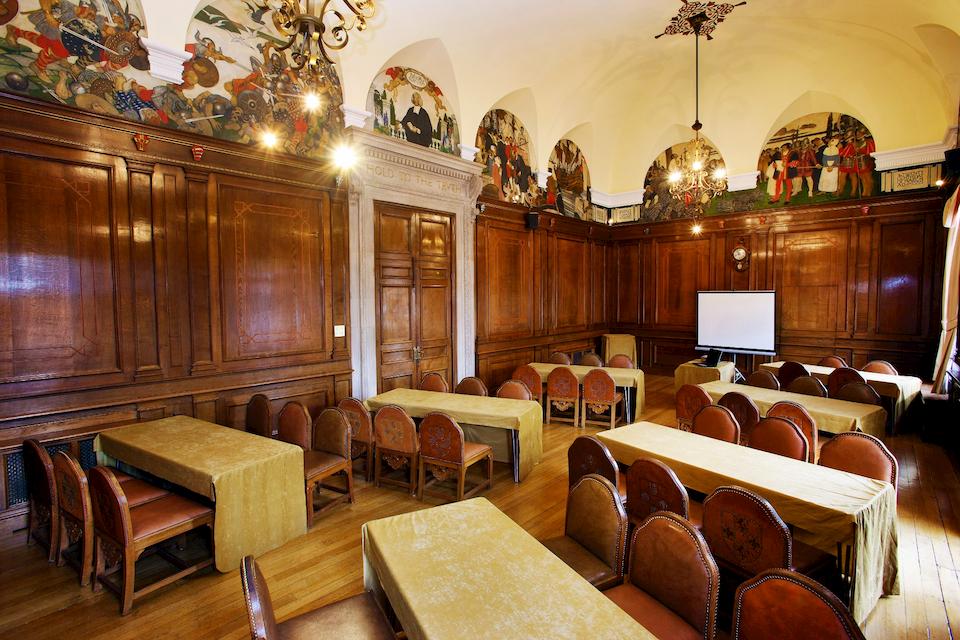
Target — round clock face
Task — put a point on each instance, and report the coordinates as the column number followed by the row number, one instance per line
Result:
column 739, row 253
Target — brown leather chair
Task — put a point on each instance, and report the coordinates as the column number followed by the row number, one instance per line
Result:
column 790, row 371
column 397, row 444
column 586, row 455
column 600, row 398
column 515, row 390
column 717, row 422
column 558, row 357
column 832, row 361
column 763, row 379
column 799, row 416
column 595, row 532
column 672, row 584
column 804, row 609
column 621, row 361
column 445, row 453
column 591, row 360
column 653, row 486
column 355, row 617
column 433, row 382
column 123, row 533
column 862, row 454
column 859, row 392
column 472, row 386
column 841, row 377
column 259, row 419
column 690, row 400
column 530, row 377
column 880, row 366
column 563, row 393
column 43, row 516
column 780, row 436
column 744, row 409
column 808, row 386
column 361, row 434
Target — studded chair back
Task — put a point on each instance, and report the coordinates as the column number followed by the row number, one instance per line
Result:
column 259, row 419
column 799, row 416
column 780, row 436
column 515, row 390
column 859, row 392
column 441, row 438
column 558, row 357
column 587, row 455
column 690, row 400
column 744, row 409
column 472, row 386
column 841, row 377
column 591, row 360
column 395, row 430
column 880, row 366
column 763, row 379
column 361, row 425
column 862, row 454
column 790, row 371
column 433, row 382
column 260, row 615
column 835, row 362
column 808, row 386
column 294, row 425
column 653, row 486
column 745, row 532
column 717, row 422
column 621, row 361
column 530, row 377
column 596, row 519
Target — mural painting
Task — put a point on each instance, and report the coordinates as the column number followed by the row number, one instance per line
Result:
column 236, row 86
column 505, row 155
column 658, row 203
column 568, row 186
column 408, row 105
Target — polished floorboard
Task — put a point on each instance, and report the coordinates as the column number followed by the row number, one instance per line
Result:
column 42, row 601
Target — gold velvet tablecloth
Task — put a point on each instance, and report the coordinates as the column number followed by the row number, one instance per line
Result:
column 619, row 343
column 824, row 505
column 902, row 390
column 835, row 416
column 256, row 483
column 524, row 416
column 465, row 570
column 691, row 373
column 621, row 377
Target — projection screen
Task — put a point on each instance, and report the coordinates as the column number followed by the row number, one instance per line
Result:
column 737, row 321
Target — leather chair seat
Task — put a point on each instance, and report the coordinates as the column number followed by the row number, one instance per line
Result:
column 164, row 513
column 356, row 618
column 577, row 557
column 316, row 462
column 474, row 451
column 121, row 476
column 139, row 492
column 656, row 618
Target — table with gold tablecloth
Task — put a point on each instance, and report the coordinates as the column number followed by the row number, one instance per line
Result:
column 825, row 506
column 522, row 419
column 619, row 343
column 626, row 378
column 256, row 483
column 466, row 570
column 901, row 390
column 832, row 415
column 692, row 373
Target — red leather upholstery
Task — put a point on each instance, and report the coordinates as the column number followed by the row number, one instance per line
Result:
column 433, row 382
column 259, row 418
column 785, row 605
column 514, row 389
column 859, row 392
column 790, row 371
column 361, row 425
column 832, row 361
column 780, row 436
column 140, row 492
column 841, row 377
column 690, row 400
column 808, row 386
column 558, row 357
column 861, row 454
column 744, row 409
column 163, row 514
column 763, row 379
column 653, row 486
column 880, row 366
column 472, row 386
column 799, row 416
column 621, row 361
column 331, row 433
column 317, row 462
column 529, row 376
column 717, row 422
column 655, row 617
column 562, row 383
column 598, row 386
column 395, row 430
column 745, row 533
column 293, row 425
column 591, row 360
column 445, row 455
column 441, row 438
column 587, row 455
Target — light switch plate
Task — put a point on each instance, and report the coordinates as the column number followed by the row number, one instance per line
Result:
column 339, row 330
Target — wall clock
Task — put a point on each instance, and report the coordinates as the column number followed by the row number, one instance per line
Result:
column 741, row 257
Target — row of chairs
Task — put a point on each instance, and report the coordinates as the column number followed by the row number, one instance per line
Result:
column 874, row 366
column 102, row 521
column 597, row 404
column 590, row 359
column 843, row 383
column 513, row 389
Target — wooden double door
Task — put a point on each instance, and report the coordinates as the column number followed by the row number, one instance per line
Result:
column 415, row 295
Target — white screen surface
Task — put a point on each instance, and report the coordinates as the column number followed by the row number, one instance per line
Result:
column 737, row 321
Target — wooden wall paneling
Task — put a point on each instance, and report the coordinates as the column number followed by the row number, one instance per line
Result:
column 597, row 289
column 201, row 276
column 629, row 291
column 496, row 369
column 681, row 267
column 315, row 394
column 340, row 274
column 507, row 305
column 144, row 269
column 171, row 259
column 571, row 281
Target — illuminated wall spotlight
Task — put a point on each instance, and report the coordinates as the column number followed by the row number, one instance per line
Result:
column 269, row 139
column 344, row 157
column 311, row 101
column 696, row 229
column 939, row 182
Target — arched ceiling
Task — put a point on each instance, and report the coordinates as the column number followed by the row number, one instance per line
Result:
column 570, row 67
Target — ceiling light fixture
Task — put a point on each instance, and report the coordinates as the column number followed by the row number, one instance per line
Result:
column 269, row 139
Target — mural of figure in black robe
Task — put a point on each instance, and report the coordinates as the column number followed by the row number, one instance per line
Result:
column 416, row 124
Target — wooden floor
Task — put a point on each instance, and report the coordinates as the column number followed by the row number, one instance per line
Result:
column 41, row 601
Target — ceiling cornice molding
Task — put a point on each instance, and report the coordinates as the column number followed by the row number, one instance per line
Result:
column 918, row 155
column 166, row 63
column 614, row 200
column 742, row 181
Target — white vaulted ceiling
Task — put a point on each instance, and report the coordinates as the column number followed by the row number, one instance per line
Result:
column 593, row 72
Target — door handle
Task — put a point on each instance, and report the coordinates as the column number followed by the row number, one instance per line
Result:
column 417, row 354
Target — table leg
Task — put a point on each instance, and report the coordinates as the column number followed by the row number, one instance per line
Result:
column 515, row 446
column 627, row 406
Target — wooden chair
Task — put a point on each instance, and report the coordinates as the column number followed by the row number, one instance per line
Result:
column 591, row 360
column 558, row 357
column 859, row 392
column 714, row 421
column 880, row 366
column 653, row 486
column 600, row 396
column 43, row 516
column 515, row 390
column 690, row 400
column 808, row 386
column 799, row 416
column 595, row 532
column 259, row 419
column 621, row 361
column 841, row 377
column 790, row 371
column 763, row 379
column 780, row 436
column 586, row 455
column 361, row 434
column 472, row 386
column 397, row 443
column 744, row 409
column 667, row 551
column 433, row 382
column 530, row 377
column 358, row 616
column 835, row 362
column 811, row 610
column 862, row 454
column 563, row 393
column 444, row 453
column 123, row 534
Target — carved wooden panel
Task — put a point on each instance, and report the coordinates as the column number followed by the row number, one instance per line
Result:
column 571, row 284
column 682, row 268
column 272, row 256
column 629, row 280
column 810, row 277
column 900, row 267
column 508, row 282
